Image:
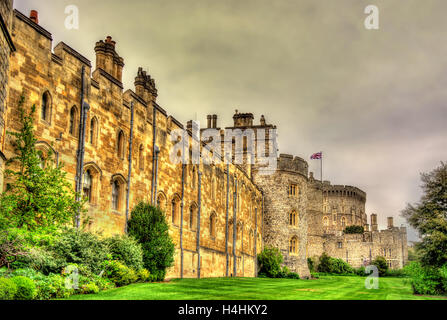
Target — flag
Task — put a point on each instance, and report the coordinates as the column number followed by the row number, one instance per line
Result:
column 316, row 156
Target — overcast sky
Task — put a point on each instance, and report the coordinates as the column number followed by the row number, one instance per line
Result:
column 374, row 101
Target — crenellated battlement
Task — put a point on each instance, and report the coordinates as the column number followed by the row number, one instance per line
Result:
column 287, row 162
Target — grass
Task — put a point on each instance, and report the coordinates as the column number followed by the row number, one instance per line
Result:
column 325, row 288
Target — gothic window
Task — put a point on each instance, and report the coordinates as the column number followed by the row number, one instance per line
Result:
column 292, row 191
column 293, row 218
column 141, row 157
column 213, row 225
column 93, row 131
column 175, row 204
column 193, row 178
column 46, row 107
column 340, row 245
column 193, row 217
column 87, row 185
column 161, row 201
column 73, row 121
column 325, row 221
column 293, row 245
column 116, row 195
column 389, row 251
column 120, row 146
column 343, row 222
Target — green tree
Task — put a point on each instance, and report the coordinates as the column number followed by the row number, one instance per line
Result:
column 429, row 217
column 37, row 196
column 354, row 229
column 382, row 266
column 149, row 227
column 269, row 261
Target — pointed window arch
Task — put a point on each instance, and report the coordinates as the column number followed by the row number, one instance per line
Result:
column 120, row 144
column 293, row 218
column 193, row 217
column 213, row 220
column 73, row 125
column 293, row 245
column 175, row 208
column 326, row 221
column 93, row 131
column 45, row 113
column 161, row 201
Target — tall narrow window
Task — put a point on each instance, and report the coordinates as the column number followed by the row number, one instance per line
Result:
column 213, row 225
column 174, row 212
column 343, row 222
column 115, row 195
column 93, row 130
column 161, row 201
column 87, row 185
column 121, row 144
column 293, row 245
column 141, row 157
column 46, row 106
column 293, row 218
column 73, row 118
column 193, row 218
column 325, row 221
column 292, row 190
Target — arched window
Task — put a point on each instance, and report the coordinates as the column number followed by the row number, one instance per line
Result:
column 193, row 217
column 46, row 107
column 120, row 146
column 161, row 202
column 325, row 221
column 73, row 121
column 141, row 157
column 213, row 225
column 93, row 130
column 116, row 192
column 87, row 185
column 213, row 189
column 343, row 222
column 293, row 218
column 193, row 178
column 175, row 210
column 293, row 245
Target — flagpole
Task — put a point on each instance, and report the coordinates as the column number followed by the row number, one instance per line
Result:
column 321, row 166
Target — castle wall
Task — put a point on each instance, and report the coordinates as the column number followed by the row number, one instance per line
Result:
column 36, row 71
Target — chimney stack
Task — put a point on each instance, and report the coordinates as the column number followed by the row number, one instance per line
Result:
column 374, row 226
column 108, row 59
column 390, row 223
column 208, row 118
column 214, row 121
column 34, row 16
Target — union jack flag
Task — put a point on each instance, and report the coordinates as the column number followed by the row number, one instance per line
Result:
column 316, row 156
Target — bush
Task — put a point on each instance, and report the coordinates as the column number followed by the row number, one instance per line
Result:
column 311, row 264
column 293, row 275
column 427, row 280
column 26, row 289
column 149, row 227
column 52, row 287
column 269, row 261
column 360, row 271
column 382, row 266
column 43, row 260
column 354, row 230
column 8, row 289
column 144, row 275
column 79, row 247
column 118, row 273
column 12, row 247
column 331, row 265
column 89, row 288
column 399, row 273
column 127, row 250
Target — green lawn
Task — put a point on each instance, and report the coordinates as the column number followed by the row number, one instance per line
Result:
column 325, row 288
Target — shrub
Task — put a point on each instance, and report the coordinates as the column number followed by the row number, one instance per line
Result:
column 354, row 230
column 395, row 273
column 382, row 266
column 12, row 247
column 426, row 280
column 79, row 247
column 52, row 287
column 8, row 289
column 311, row 264
column 26, row 289
column 293, row 275
column 118, row 273
column 360, row 271
column 43, row 260
column 127, row 250
column 149, row 227
column 89, row 288
column 331, row 265
column 269, row 261
column 144, row 275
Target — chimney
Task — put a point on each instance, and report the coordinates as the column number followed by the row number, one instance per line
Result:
column 108, row 59
column 374, row 226
column 208, row 118
column 390, row 222
column 214, row 121
column 34, row 16
column 145, row 86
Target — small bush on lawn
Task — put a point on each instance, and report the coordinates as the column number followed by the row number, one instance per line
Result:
column 399, row 273
column 89, row 288
column 127, row 250
column 269, row 261
column 382, row 266
column 149, row 227
column 52, row 287
column 76, row 246
column 144, row 275
column 360, row 271
column 293, row 275
column 8, row 289
column 118, row 273
column 331, row 265
column 26, row 289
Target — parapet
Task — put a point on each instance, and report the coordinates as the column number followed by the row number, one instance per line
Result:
column 287, row 162
column 342, row 190
column 243, row 119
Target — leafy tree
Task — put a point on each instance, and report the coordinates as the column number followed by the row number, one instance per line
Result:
column 269, row 261
column 429, row 217
column 37, row 196
column 149, row 227
column 382, row 266
column 354, row 229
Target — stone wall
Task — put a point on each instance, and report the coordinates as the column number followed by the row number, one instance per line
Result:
column 37, row 72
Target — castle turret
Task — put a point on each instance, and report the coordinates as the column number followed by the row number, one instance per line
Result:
column 390, row 223
column 374, row 226
column 108, row 59
column 243, row 119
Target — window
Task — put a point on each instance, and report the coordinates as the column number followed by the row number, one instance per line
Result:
column 293, row 246
column 343, row 222
column 389, row 251
column 293, row 218
column 116, row 190
column 93, row 131
column 161, row 201
column 193, row 217
column 293, row 188
column 73, row 120
column 193, row 178
column 340, row 245
column 175, row 210
column 213, row 225
column 141, row 157
column 325, row 221
column 46, row 107
column 87, row 185
column 384, row 252
column 120, row 146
